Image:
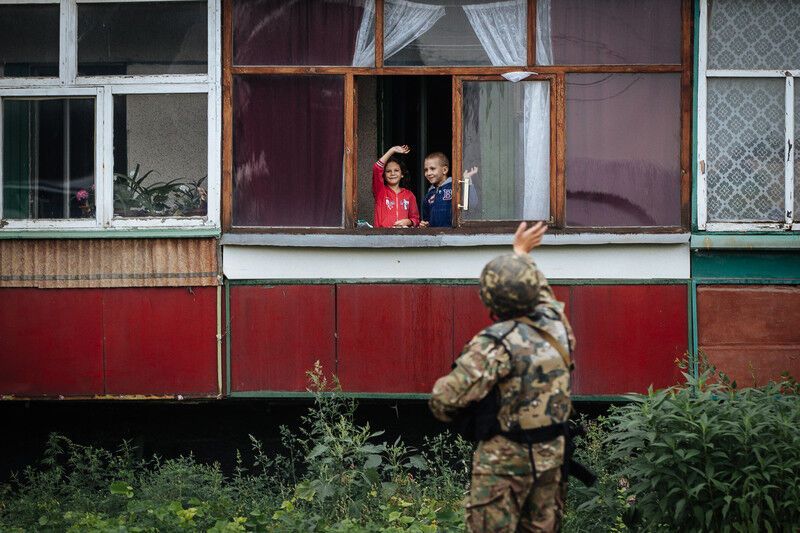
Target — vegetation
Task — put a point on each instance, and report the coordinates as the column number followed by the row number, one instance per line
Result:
column 701, row 457
column 135, row 195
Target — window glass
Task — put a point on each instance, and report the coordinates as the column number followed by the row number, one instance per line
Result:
column 48, row 158
column 575, row 32
column 438, row 32
column 745, row 168
column 304, row 32
column 794, row 153
column 142, row 38
column 506, row 139
column 29, row 40
column 160, row 155
column 623, row 150
column 753, row 35
column 288, row 149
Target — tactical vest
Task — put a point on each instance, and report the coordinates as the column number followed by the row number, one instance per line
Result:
column 536, row 393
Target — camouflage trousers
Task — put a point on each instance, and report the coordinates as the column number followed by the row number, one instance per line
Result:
column 515, row 503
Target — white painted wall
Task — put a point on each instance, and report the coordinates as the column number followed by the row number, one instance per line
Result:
column 620, row 261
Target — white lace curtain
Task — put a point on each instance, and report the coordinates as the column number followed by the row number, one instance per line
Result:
column 501, row 30
column 404, row 22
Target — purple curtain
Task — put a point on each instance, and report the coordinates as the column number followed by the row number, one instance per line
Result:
column 616, row 31
column 288, row 149
column 298, row 32
column 623, row 150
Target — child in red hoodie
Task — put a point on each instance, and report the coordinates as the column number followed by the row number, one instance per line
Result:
column 395, row 207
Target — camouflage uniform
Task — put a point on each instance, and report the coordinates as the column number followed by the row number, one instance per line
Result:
column 534, row 388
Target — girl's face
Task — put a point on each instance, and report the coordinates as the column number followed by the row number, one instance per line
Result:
column 392, row 174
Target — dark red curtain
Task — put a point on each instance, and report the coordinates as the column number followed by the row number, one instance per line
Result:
column 295, row 32
column 616, row 31
column 623, row 150
column 288, row 147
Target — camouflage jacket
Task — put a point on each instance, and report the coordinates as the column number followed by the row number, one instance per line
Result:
column 533, row 380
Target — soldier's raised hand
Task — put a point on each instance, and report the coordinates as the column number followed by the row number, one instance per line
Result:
column 526, row 239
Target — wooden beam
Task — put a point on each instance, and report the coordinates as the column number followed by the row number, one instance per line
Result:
column 530, row 45
column 379, row 7
column 350, row 142
column 686, row 113
column 227, row 115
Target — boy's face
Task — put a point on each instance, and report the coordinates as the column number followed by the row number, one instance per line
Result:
column 392, row 174
column 435, row 171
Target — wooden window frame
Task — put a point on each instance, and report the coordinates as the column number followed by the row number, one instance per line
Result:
column 103, row 89
column 558, row 72
column 791, row 221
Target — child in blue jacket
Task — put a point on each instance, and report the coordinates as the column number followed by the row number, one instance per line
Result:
column 437, row 206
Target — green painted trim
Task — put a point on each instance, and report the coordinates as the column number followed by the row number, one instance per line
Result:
column 748, row 241
column 695, row 111
column 748, row 265
column 746, row 281
column 599, row 398
column 448, row 281
column 110, row 233
column 227, row 337
column 394, row 395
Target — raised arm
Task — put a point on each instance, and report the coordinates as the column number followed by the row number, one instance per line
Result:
column 377, row 168
column 400, row 149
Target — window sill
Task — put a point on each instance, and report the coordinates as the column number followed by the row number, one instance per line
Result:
column 745, row 242
column 440, row 240
column 116, row 233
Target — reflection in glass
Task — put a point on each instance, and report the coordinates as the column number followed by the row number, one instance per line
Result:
column 48, row 158
column 623, row 150
column 794, row 154
column 608, row 32
column 304, row 32
column 506, row 135
column 288, row 149
column 160, row 155
column 745, row 169
column 753, row 35
column 29, row 40
column 142, row 38
column 438, row 32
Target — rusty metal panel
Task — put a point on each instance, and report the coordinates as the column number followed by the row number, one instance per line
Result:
column 51, row 342
column 73, row 263
column 752, row 333
column 278, row 332
column 628, row 337
column 394, row 337
column 160, row 341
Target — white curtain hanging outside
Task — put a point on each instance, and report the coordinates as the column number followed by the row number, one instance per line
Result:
column 501, row 30
column 403, row 23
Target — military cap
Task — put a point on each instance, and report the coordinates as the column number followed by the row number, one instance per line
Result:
column 510, row 286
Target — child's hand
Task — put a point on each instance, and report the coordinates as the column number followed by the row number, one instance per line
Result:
column 403, row 223
column 424, row 223
column 471, row 172
column 526, row 239
column 402, row 149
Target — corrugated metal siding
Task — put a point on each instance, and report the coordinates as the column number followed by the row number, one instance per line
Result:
column 77, row 263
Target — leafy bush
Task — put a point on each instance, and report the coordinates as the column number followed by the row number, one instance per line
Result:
column 707, row 456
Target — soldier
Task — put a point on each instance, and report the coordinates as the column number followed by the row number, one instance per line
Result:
column 521, row 367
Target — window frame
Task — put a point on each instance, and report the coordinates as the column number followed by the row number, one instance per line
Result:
column 231, row 70
column 791, row 220
column 68, row 83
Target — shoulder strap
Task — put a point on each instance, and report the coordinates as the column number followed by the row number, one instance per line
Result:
column 549, row 338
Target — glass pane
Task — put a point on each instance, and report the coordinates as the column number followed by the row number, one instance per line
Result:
column 794, row 152
column 608, row 32
column 288, row 149
column 439, row 32
column 753, row 35
column 304, row 32
column 623, row 150
column 29, row 40
column 48, row 158
column 142, row 38
column 506, row 139
column 745, row 169
column 160, row 155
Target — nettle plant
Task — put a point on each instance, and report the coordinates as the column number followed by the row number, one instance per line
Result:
column 708, row 456
column 136, row 195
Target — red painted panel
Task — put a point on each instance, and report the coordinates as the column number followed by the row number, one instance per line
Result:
column 471, row 316
column 394, row 338
column 277, row 333
column 628, row 336
column 750, row 332
column 51, row 342
column 161, row 341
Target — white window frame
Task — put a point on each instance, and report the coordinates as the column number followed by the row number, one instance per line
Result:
column 790, row 221
column 103, row 89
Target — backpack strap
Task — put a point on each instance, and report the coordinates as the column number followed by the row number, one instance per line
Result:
column 546, row 335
